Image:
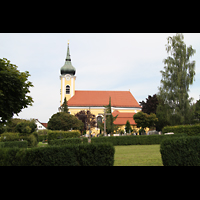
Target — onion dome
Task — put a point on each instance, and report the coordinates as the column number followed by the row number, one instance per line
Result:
column 67, row 68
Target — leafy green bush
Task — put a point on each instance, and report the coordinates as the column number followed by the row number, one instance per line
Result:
column 42, row 137
column 190, row 130
column 183, row 151
column 31, row 139
column 2, row 144
column 11, row 144
column 22, row 126
column 43, row 132
column 133, row 140
column 36, row 136
column 68, row 141
column 64, row 121
column 53, row 135
column 8, row 136
column 66, row 155
column 12, row 156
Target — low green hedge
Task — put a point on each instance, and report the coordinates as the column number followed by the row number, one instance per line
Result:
column 190, row 130
column 68, row 141
column 42, row 137
column 133, row 140
column 9, row 136
column 66, row 155
column 11, row 144
column 32, row 138
column 183, row 151
column 54, row 135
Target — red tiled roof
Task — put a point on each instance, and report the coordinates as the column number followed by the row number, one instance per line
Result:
column 101, row 98
column 44, row 124
column 123, row 117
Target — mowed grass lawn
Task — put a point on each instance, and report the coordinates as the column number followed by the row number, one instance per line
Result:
column 138, row 155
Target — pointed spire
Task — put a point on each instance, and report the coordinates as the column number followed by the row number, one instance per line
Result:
column 68, row 54
column 67, row 68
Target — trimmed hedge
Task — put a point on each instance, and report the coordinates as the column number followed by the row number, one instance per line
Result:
column 2, row 144
column 54, row 135
column 32, row 138
column 66, row 155
column 184, row 151
column 11, row 144
column 132, row 140
column 68, row 141
column 42, row 137
column 11, row 156
column 190, row 130
column 9, row 136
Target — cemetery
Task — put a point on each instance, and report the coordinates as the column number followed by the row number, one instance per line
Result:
column 69, row 148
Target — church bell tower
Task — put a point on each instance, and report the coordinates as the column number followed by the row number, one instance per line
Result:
column 67, row 78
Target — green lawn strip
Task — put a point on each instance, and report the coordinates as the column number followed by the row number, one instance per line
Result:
column 134, row 155
column 40, row 144
column 138, row 155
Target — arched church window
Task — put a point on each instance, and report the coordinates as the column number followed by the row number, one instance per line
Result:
column 67, row 89
column 99, row 119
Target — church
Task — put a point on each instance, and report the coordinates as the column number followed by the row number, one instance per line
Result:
column 123, row 102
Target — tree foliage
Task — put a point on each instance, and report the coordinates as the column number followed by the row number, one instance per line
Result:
column 22, row 126
column 64, row 121
column 110, row 126
column 197, row 111
column 177, row 76
column 144, row 120
column 87, row 118
column 14, row 87
column 128, row 127
column 150, row 105
column 64, row 106
column 26, row 127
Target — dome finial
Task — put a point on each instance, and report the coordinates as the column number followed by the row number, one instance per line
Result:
column 67, row 68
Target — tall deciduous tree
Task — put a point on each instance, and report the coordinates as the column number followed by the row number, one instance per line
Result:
column 197, row 111
column 177, row 76
column 14, row 87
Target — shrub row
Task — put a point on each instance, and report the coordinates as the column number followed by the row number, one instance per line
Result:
column 190, row 130
column 42, row 137
column 53, row 135
column 133, row 140
column 11, row 144
column 68, row 141
column 9, row 136
column 66, row 155
column 184, row 151
column 32, row 139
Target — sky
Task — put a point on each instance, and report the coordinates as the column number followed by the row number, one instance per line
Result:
column 103, row 61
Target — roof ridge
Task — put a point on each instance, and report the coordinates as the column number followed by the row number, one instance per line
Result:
column 102, row 91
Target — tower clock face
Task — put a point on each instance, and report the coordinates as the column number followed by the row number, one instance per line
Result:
column 67, row 78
